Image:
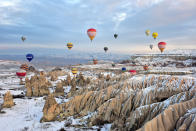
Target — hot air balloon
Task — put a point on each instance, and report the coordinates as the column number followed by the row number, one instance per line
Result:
column 115, row 36
column 91, row 33
column 162, row 46
column 155, row 35
column 133, row 72
column 69, row 46
column 105, row 49
column 147, row 32
column 23, row 38
column 24, row 67
column 29, row 57
column 151, row 46
column 124, row 69
column 95, row 61
column 74, row 71
column 145, row 67
column 21, row 74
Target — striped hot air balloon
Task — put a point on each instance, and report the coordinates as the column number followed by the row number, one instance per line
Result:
column 91, row 33
column 74, row 71
column 162, row 46
column 24, row 67
column 69, row 45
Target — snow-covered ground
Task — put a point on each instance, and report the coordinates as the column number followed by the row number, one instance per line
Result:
column 26, row 114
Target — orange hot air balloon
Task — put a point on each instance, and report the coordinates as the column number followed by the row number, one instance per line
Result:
column 95, row 61
column 162, row 46
column 91, row 33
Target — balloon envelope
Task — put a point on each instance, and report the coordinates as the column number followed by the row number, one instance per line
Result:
column 23, row 38
column 133, row 72
column 151, row 46
column 155, row 35
column 105, row 49
column 95, row 61
column 162, row 46
column 115, row 36
column 147, row 32
column 69, row 46
column 29, row 57
column 91, row 33
column 124, row 69
column 24, row 67
column 21, row 73
column 74, row 71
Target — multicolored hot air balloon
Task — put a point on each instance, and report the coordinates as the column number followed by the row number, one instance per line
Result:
column 115, row 36
column 151, row 46
column 74, row 71
column 23, row 38
column 95, row 61
column 155, row 35
column 124, row 69
column 133, row 72
column 162, row 46
column 69, row 46
column 147, row 32
column 24, row 67
column 29, row 57
column 105, row 49
column 91, row 33
column 145, row 67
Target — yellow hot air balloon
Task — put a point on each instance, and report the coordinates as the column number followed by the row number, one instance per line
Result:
column 74, row 71
column 147, row 32
column 155, row 35
column 69, row 46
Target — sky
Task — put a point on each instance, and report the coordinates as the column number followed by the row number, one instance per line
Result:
column 50, row 24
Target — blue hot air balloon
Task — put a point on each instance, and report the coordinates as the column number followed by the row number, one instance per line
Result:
column 123, row 69
column 29, row 57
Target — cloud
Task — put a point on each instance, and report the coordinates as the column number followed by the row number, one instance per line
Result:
column 59, row 21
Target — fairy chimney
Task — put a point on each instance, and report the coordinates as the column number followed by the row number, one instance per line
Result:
column 59, row 91
column 35, row 88
column 8, row 100
column 108, row 77
column 51, row 109
column 68, row 79
column 73, row 84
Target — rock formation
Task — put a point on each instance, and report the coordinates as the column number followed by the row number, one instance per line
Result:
column 8, row 100
column 59, row 91
column 37, row 86
column 128, row 102
column 68, row 80
column 167, row 120
column 51, row 109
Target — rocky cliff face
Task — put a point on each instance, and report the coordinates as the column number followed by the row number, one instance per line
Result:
column 128, row 103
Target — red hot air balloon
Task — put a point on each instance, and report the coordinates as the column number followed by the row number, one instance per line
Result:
column 162, row 46
column 133, row 72
column 91, row 33
column 21, row 73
